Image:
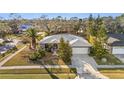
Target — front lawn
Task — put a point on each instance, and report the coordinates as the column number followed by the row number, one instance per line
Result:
column 111, row 60
column 38, row 71
column 47, row 73
column 37, row 76
column 21, row 59
column 19, row 46
column 113, row 73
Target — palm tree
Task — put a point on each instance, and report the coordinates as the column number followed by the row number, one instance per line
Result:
column 32, row 34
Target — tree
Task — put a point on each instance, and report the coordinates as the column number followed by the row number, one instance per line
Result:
column 65, row 51
column 98, row 50
column 32, row 33
column 4, row 29
column 14, row 22
column 101, row 32
column 90, row 27
column 44, row 22
column 78, row 25
column 97, row 29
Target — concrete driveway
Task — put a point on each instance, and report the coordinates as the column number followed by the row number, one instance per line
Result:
column 78, row 61
column 120, row 57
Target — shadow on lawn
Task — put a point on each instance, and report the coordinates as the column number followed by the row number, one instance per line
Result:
column 50, row 73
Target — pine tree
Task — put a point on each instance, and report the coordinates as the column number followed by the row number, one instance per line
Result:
column 65, row 51
column 101, row 37
column 101, row 31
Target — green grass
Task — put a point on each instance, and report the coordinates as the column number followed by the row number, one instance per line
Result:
column 37, row 76
column 38, row 71
column 10, row 52
column 21, row 59
column 5, row 56
column 111, row 60
column 55, row 73
column 113, row 73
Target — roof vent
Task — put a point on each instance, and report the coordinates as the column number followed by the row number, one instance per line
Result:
column 73, row 41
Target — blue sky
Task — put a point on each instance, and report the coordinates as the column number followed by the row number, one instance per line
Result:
column 51, row 15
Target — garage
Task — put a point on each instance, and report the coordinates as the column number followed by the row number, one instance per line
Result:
column 80, row 50
column 117, row 47
column 118, row 50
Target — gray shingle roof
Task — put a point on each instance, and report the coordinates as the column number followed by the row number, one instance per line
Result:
column 117, row 36
column 75, row 41
column 118, row 43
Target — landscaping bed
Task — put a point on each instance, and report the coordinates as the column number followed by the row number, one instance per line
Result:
column 111, row 60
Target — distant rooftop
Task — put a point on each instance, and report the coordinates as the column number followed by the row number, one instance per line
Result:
column 118, row 43
column 117, row 36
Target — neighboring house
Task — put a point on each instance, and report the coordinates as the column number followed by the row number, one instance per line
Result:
column 1, row 40
column 117, row 47
column 79, row 44
column 24, row 27
column 116, row 43
column 43, row 34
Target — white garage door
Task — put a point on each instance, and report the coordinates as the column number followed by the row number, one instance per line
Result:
column 118, row 50
column 80, row 50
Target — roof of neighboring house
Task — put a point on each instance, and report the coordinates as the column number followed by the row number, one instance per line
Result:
column 118, row 43
column 117, row 36
column 75, row 41
column 1, row 40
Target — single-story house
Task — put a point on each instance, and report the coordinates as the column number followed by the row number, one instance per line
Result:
column 24, row 27
column 5, row 48
column 79, row 44
column 117, row 47
column 116, row 43
column 1, row 40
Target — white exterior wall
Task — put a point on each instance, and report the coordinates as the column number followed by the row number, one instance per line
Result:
column 118, row 50
column 80, row 50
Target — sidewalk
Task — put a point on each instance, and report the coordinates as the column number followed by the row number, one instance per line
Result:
column 33, row 67
column 110, row 66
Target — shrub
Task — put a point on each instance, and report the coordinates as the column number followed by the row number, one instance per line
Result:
column 41, row 52
column 25, row 40
column 38, row 54
column 98, row 51
column 33, row 56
